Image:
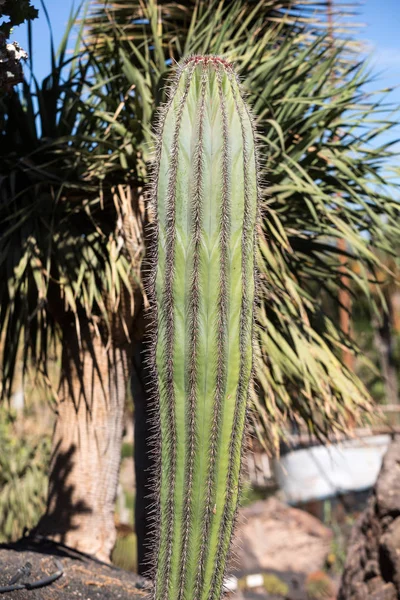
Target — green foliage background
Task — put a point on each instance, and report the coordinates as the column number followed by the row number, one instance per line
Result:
column 23, row 479
column 66, row 169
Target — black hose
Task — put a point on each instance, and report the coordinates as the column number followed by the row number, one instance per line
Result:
column 12, row 587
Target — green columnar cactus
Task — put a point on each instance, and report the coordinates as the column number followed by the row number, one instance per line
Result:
column 205, row 200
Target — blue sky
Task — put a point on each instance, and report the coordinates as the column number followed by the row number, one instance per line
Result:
column 380, row 34
column 382, row 19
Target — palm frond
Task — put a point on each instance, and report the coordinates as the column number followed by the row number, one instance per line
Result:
column 63, row 240
column 65, row 203
column 323, row 173
column 137, row 20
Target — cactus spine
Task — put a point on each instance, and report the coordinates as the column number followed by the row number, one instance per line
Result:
column 205, row 201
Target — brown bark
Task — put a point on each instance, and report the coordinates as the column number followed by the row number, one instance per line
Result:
column 343, row 294
column 95, row 373
column 344, row 298
column 87, row 442
column 384, row 343
column 372, row 568
column 395, row 302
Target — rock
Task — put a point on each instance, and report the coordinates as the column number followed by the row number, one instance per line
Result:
column 272, row 535
column 238, row 595
column 386, row 591
column 389, row 552
column 387, row 489
column 372, row 568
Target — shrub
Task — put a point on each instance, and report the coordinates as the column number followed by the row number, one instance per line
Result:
column 319, row 586
column 275, row 586
column 23, row 480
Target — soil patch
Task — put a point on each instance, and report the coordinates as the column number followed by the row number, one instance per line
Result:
column 82, row 576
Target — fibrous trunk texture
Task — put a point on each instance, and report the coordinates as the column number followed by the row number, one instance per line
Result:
column 86, row 447
column 203, row 294
column 385, row 344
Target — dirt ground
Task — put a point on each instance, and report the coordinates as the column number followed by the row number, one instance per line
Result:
column 276, row 540
column 82, row 578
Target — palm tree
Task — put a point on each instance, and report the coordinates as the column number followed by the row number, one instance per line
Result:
column 72, row 218
column 70, row 281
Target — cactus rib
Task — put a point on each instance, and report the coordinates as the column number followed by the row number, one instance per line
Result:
column 222, row 338
column 205, row 197
column 246, row 324
column 168, row 314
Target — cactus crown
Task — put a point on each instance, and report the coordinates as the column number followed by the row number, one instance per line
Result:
column 202, row 290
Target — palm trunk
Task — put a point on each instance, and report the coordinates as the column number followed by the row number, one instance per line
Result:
column 87, row 443
column 344, row 298
column 395, row 309
column 384, row 344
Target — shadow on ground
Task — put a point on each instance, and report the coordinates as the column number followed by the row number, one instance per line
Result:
column 82, row 577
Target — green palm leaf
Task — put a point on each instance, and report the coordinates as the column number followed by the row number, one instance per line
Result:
column 323, row 170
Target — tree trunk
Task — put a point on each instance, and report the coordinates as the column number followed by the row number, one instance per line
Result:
column 395, row 309
column 384, row 344
column 86, row 447
column 344, row 298
column 372, row 569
